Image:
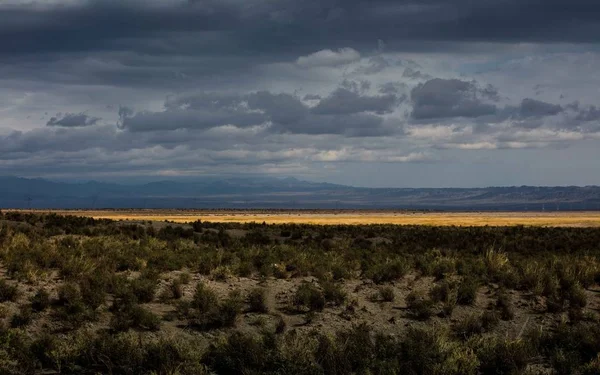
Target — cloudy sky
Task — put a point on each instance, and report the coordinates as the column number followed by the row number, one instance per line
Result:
column 368, row 93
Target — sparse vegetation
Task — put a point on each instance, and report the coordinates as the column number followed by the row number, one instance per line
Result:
column 80, row 295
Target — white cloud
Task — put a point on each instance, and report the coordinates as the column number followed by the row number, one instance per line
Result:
column 328, row 57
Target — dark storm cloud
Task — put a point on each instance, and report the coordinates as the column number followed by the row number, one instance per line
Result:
column 71, row 120
column 536, row 108
column 344, row 101
column 281, row 108
column 252, row 26
column 447, row 98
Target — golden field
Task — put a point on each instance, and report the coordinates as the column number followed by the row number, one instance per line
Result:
column 325, row 217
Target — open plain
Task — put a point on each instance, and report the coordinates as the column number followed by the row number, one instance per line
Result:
column 348, row 217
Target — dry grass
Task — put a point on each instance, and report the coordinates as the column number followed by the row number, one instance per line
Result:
column 561, row 219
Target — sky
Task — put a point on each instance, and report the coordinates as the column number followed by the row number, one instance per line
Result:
column 379, row 93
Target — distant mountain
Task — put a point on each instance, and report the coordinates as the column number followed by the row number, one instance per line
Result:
column 267, row 192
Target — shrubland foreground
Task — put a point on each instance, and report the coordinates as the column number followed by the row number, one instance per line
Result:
column 80, row 295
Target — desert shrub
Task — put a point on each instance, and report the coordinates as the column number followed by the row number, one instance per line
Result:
column 72, row 310
column 205, row 312
column 505, row 306
column 256, row 237
column 204, row 298
column 445, row 292
column 173, row 356
column 144, row 288
column 496, row 262
column 532, row 276
column 40, row 301
column 92, row 289
column 429, row 351
column 467, row 291
column 239, row 353
column 257, row 300
column 442, row 267
column 475, row 324
column 221, row 273
column 387, row 294
column 168, row 293
column 333, row 293
column 229, row 309
column 419, row 306
column 592, row 367
column 350, row 351
column 128, row 314
column 571, row 346
column 499, row 355
column 309, row 296
column 575, row 294
column 8, row 292
column 389, row 270
column 340, row 270
column 22, row 318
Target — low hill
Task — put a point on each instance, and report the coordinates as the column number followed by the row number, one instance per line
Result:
column 265, row 192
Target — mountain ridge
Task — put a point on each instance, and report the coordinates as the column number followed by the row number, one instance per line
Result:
column 289, row 192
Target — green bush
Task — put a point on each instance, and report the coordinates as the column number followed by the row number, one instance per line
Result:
column 22, row 318
column 144, row 288
column 204, row 298
column 333, row 293
column 476, row 324
column 309, row 296
column 419, row 306
column 498, row 355
column 40, row 301
column 387, row 294
column 257, row 300
column 467, row 291
column 388, row 270
column 129, row 314
column 505, row 306
column 8, row 292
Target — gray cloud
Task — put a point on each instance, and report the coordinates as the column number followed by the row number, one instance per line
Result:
column 447, row 98
column 589, row 114
column 341, row 114
column 71, row 120
column 281, row 108
column 343, row 101
column 392, row 87
column 328, row 57
column 189, row 119
column 414, row 74
column 536, row 108
column 312, row 97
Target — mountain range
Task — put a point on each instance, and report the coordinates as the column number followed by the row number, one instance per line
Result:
column 290, row 193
